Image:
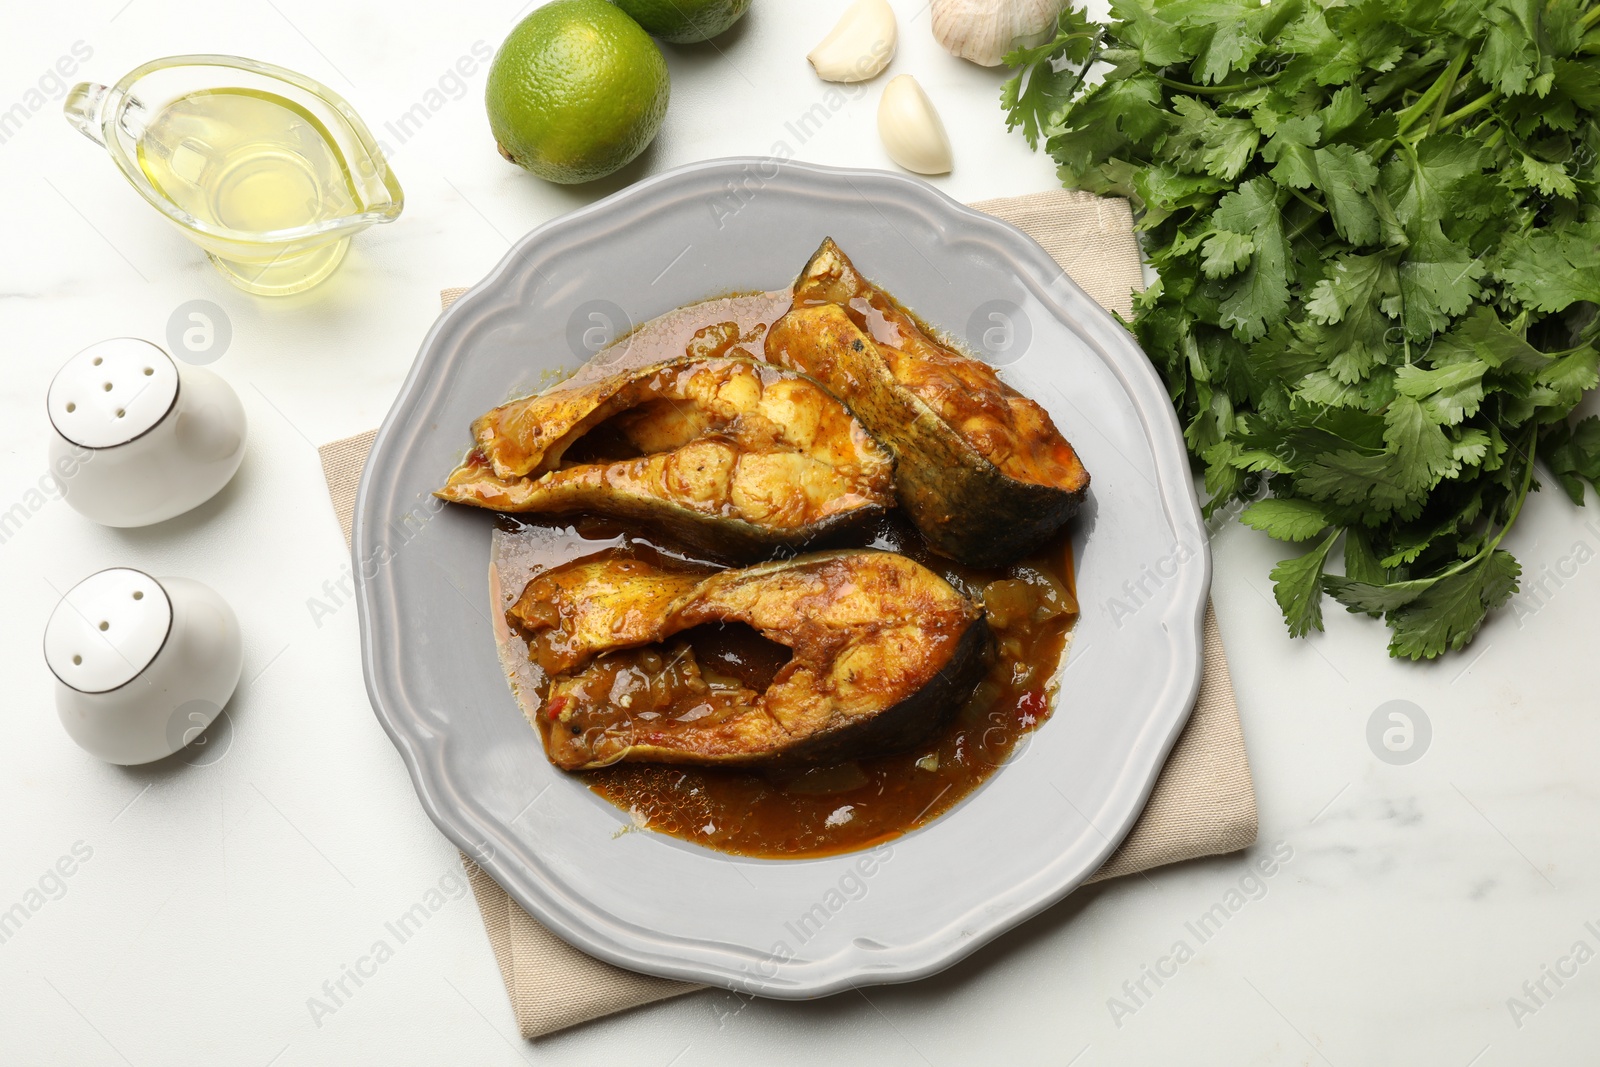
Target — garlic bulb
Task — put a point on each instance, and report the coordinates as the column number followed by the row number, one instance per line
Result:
column 859, row 45
column 911, row 129
column 985, row 30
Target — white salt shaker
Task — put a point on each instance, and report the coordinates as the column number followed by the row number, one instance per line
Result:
column 139, row 438
column 142, row 665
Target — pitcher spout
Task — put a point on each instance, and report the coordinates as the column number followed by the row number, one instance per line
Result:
column 85, row 109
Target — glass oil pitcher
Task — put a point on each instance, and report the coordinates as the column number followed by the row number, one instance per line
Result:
column 266, row 170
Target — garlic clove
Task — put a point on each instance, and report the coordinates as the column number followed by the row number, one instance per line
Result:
column 985, row 30
column 911, row 129
column 859, row 45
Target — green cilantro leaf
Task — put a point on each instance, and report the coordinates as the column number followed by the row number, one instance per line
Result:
column 1447, row 394
column 1450, row 613
column 1285, row 518
column 1159, row 42
column 1438, row 281
column 1205, row 140
column 1372, row 597
column 1346, row 176
column 1551, row 179
column 1418, row 447
column 1041, row 89
column 1228, row 47
column 1573, row 454
column 1362, row 571
column 1549, row 269
column 1262, row 295
column 1297, row 587
column 1346, row 108
column 1510, row 58
column 1419, row 185
column 1226, row 253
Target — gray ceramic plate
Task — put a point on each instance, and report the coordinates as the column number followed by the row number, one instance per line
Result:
column 798, row 928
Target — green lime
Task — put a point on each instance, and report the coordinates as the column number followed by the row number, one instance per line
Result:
column 576, row 91
column 685, row 21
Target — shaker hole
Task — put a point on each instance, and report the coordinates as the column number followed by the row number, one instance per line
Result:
column 71, row 407
column 107, row 387
column 149, row 371
column 98, row 361
column 138, row 594
column 105, row 626
column 77, row 661
column 120, row 413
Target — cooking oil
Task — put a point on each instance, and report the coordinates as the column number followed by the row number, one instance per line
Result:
column 257, row 164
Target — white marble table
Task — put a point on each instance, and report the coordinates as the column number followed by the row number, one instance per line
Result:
column 208, row 902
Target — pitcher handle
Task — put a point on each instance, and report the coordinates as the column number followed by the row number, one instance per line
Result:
column 84, row 106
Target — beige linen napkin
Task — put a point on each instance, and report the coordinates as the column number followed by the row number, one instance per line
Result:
column 1203, row 803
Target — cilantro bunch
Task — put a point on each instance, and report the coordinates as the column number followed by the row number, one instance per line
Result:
column 1377, row 230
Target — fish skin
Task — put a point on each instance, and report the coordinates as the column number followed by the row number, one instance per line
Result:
column 884, row 652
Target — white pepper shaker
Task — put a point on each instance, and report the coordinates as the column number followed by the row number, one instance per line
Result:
column 137, row 437
column 142, row 665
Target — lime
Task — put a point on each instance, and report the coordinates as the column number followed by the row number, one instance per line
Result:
column 685, row 21
column 576, row 91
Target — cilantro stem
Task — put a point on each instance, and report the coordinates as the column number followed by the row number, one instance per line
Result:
column 1452, row 72
column 1310, row 221
column 1306, row 200
column 1522, row 494
column 1438, row 91
column 1214, row 90
column 1471, row 108
column 1590, row 19
column 1436, row 96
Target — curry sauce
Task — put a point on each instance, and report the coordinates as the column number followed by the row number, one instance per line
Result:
column 797, row 812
